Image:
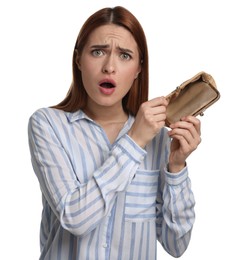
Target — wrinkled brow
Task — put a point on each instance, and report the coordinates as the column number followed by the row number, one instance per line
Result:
column 107, row 46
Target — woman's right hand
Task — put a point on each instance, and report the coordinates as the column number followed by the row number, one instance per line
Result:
column 149, row 120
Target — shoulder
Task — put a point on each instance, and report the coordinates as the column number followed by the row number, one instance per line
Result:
column 48, row 116
column 46, row 111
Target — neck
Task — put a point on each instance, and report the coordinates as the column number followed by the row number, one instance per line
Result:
column 102, row 115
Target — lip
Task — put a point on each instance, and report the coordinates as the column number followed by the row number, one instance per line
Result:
column 107, row 81
column 107, row 91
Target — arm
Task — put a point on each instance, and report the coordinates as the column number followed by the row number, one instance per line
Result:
column 175, row 212
column 175, row 202
column 80, row 207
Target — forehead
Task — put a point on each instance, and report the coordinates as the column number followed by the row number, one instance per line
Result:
column 108, row 34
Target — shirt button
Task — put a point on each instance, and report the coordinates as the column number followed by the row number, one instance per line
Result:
column 105, row 245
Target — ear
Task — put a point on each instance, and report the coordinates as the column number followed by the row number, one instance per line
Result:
column 139, row 70
column 77, row 59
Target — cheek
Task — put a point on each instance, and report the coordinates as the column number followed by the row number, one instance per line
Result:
column 130, row 76
column 88, row 71
column 88, row 67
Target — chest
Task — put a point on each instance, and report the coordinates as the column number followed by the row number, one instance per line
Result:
column 112, row 130
column 88, row 146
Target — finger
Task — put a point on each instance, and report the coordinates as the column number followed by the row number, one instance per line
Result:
column 158, row 110
column 192, row 129
column 195, row 121
column 160, row 117
column 187, row 142
column 188, row 131
column 158, row 101
column 184, row 147
column 180, row 133
column 192, row 125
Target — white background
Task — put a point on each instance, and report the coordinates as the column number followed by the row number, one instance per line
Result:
column 184, row 37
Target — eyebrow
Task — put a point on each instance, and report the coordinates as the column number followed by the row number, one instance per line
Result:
column 106, row 46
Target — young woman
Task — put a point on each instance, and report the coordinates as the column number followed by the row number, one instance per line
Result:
column 113, row 178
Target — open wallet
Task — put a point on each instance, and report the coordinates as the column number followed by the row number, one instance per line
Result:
column 192, row 97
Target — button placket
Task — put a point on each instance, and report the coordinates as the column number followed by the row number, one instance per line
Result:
column 107, row 230
column 105, row 227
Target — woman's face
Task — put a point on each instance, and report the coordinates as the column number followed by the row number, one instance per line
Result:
column 109, row 64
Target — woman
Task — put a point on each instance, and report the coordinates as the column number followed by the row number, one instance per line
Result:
column 113, row 178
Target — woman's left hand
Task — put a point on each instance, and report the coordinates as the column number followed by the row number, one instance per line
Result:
column 186, row 138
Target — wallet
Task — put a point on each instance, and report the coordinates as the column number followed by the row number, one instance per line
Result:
column 192, row 97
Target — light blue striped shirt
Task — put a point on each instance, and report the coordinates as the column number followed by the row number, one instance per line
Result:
column 103, row 201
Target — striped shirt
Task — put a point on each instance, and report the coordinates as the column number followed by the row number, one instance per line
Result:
column 106, row 201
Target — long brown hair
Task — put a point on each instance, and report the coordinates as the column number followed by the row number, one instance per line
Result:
column 77, row 96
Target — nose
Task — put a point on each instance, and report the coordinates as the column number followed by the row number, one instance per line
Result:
column 108, row 66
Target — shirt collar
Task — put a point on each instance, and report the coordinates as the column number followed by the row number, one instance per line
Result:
column 78, row 115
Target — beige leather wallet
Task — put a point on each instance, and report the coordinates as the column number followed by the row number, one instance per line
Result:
column 192, row 97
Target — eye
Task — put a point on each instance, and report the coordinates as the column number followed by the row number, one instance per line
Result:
column 125, row 56
column 97, row 53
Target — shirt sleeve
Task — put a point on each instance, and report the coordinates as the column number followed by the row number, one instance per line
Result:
column 80, row 207
column 175, row 212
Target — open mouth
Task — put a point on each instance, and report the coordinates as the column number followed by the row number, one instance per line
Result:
column 107, row 85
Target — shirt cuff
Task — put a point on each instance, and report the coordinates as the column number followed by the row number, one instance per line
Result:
column 132, row 149
column 120, row 168
column 176, row 178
